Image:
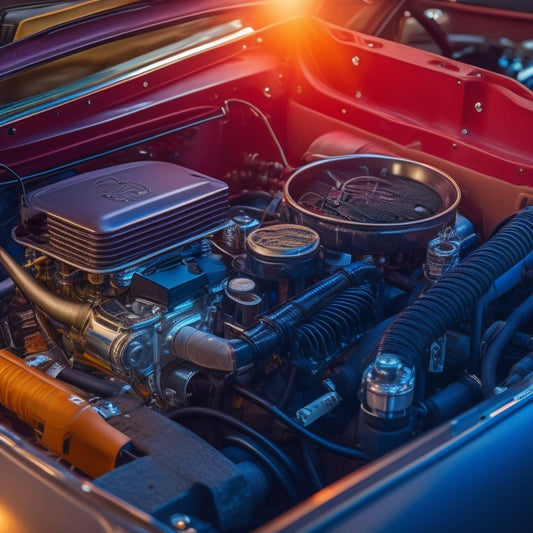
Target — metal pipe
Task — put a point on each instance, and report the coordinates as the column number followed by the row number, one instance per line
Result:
column 73, row 314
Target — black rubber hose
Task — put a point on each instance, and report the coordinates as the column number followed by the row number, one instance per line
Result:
column 275, row 329
column 452, row 400
column 350, row 453
column 317, row 341
column 489, row 364
column 451, row 298
column 88, row 382
column 178, row 413
column 270, row 463
column 347, row 377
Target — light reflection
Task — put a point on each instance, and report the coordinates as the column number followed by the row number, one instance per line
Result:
column 291, row 7
column 323, row 496
column 9, row 523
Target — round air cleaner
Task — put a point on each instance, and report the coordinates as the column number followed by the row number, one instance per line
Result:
column 372, row 204
column 283, row 251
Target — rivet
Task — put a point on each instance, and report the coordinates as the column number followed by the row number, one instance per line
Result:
column 145, row 84
column 267, row 93
column 478, row 106
column 343, row 111
column 355, row 60
column 464, row 131
column 358, row 94
column 12, row 131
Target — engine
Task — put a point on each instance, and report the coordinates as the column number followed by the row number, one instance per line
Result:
column 342, row 314
column 127, row 265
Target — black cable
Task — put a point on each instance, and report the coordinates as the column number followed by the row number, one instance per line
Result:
column 316, row 478
column 269, row 462
column 19, row 179
column 179, row 413
column 265, row 121
column 289, row 387
column 344, row 451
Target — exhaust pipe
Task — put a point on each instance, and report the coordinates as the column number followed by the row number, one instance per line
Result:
column 103, row 340
column 73, row 314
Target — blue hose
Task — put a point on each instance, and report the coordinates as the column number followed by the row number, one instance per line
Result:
column 521, row 315
column 502, row 285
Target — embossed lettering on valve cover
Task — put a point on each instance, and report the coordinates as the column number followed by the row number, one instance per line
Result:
column 122, row 190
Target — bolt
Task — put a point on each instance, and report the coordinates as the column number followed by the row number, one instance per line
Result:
column 180, row 521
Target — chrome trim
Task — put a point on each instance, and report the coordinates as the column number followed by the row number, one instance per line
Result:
column 131, row 69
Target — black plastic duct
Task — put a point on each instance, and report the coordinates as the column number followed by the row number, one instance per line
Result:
column 275, row 329
column 451, row 298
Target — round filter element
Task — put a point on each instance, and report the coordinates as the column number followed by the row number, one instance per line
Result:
column 369, row 204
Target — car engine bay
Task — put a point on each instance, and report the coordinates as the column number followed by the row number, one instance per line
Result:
column 216, row 321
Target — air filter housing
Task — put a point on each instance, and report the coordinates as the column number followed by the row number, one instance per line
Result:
column 372, row 204
column 113, row 218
